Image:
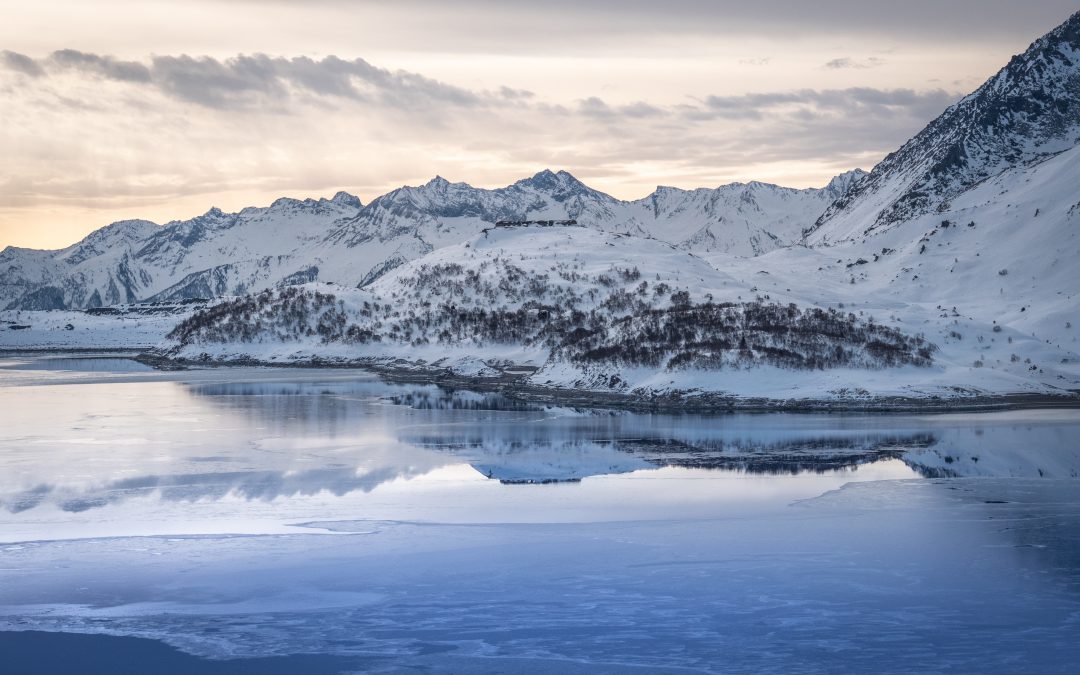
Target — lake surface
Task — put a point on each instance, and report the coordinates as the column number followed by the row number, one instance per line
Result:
column 288, row 520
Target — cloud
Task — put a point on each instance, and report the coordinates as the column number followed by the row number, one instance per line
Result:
column 209, row 82
column 20, row 63
column 512, row 94
column 570, row 26
column 851, row 101
column 103, row 66
column 598, row 108
column 848, row 62
column 259, row 79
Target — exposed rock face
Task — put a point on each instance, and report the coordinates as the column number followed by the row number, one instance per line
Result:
column 1029, row 111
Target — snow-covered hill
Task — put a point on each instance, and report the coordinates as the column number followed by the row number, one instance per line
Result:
column 587, row 311
column 339, row 240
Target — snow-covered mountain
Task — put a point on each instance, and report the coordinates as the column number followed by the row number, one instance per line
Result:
column 946, row 273
column 738, row 218
column 744, row 219
column 339, row 240
column 135, row 260
column 1025, row 114
column 979, row 212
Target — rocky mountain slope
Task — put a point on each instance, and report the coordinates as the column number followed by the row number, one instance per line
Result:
column 994, row 233
column 1025, row 114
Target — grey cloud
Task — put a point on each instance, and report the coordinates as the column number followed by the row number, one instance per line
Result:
column 641, row 109
column 215, row 84
column 238, row 80
column 571, row 24
column 598, row 108
column 104, row 66
column 20, row 63
column 594, row 107
column 848, row 62
column 793, row 105
column 753, row 106
column 248, row 80
column 512, row 94
column 271, row 82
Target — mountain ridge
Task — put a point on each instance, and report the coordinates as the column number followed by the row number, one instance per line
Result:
column 341, row 239
column 1027, row 112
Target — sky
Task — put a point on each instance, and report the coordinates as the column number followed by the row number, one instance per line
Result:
column 161, row 109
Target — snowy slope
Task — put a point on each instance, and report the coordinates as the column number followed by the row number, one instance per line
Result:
column 577, row 305
column 999, row 276
column 23, row 270
column 121, row 326
column 745, row 219
column 99, row 264
column 995, row 247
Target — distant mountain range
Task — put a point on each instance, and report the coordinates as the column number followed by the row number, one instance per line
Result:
column 340, row 240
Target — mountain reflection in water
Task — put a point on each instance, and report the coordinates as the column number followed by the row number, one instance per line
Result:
column 377, row 433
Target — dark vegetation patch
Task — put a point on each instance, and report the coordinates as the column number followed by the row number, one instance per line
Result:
column 621, row 328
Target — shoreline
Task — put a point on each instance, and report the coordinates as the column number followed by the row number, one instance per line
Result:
column 514, row 386
column 11, row 351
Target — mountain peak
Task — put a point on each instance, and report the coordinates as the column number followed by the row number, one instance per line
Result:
column 278, row 203
column 560, row 182
column 842, row 183
column 568, row 178
column 114, row 235
column 1027, row 112
column 342, row 198
column 757, row 185
column 540, row 180
column 120, row 230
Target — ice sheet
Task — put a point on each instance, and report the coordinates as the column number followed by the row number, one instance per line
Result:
column 242, row 513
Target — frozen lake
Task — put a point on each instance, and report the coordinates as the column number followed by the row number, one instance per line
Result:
column 326, row 521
